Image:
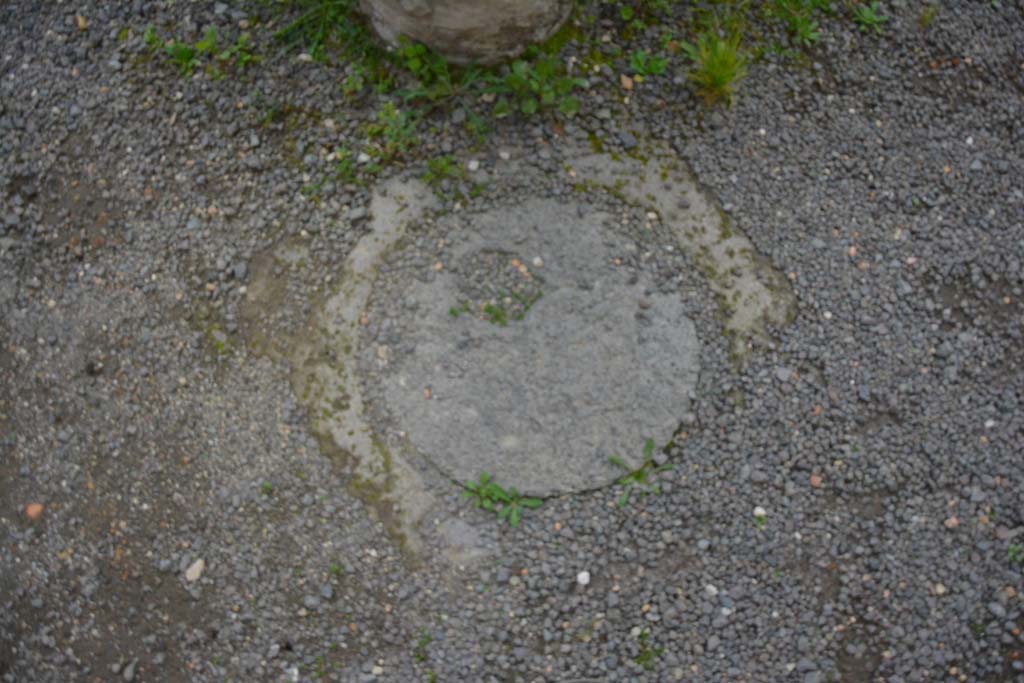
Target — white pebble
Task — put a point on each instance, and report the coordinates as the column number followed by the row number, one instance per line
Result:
column 473, row 165
column 760, row 512
column 538, row 262
column 711, row 590
column 195, row 570
column 583, row 578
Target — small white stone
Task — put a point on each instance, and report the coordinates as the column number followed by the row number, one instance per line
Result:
column 377, row 670
column 193, row 573
column 538, row 262
column 583, row 578
column 760, row 512
column 505, row 156
column 473, row 165
column 363, row 158
column 710, row 590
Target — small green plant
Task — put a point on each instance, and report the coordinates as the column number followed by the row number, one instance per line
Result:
column 187, row 57
column 496, row 314
column 1015, row 553
column 183, row 56
column 442, row 168
column 334, row 24
column 345, row 169
column 648, row 654
column 208, row 45
column 456, row 311
column 638, row 480
column 420, row 652
column 150, row 38
column 869, row 17
column 717, row 65
column 507, row 504
column 647, row 65
column 266, row 488
column 394, row 132
column 436, row 81
column 798, row 16
column 525, row 302
column 530, row 86
column 335, row 569
column 240, row 53
column 928, row 15
column 354, row 82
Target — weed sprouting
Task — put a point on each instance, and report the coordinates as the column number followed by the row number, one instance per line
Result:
column 419, row 653
column 869, row 17
column 183, row 56
column 496, row 314
column 647, row 65
column 648, row 654
column 394, row 133
column 717, row 64
column 443, row 168
column 532, row 84
column 638, row 480
column 187, row 57
column 506, row 504
column 526, row 303
column 928, row 15
column 798, row 16
column 336, row 24
column 436, row 80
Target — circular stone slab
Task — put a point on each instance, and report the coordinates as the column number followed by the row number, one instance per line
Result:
column 534, row 357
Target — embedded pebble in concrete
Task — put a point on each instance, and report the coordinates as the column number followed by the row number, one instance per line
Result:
column 586, row 366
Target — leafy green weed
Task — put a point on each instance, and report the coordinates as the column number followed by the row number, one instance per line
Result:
column 639, row 480
column 506, row 504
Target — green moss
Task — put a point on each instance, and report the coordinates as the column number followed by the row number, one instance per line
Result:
column 569, row 33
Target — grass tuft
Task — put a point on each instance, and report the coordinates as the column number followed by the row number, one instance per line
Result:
column 717, row 65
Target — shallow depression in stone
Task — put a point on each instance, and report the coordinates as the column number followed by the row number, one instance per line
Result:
column 532, row 356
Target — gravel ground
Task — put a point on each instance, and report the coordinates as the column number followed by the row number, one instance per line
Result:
column 193, row 527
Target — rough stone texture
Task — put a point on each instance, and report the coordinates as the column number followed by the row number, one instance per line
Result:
column 464, row 31
column 592, row 369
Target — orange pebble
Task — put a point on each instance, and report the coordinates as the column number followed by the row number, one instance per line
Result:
column 34, row 511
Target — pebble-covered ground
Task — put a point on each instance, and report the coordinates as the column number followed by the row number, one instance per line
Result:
column 168, row 513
